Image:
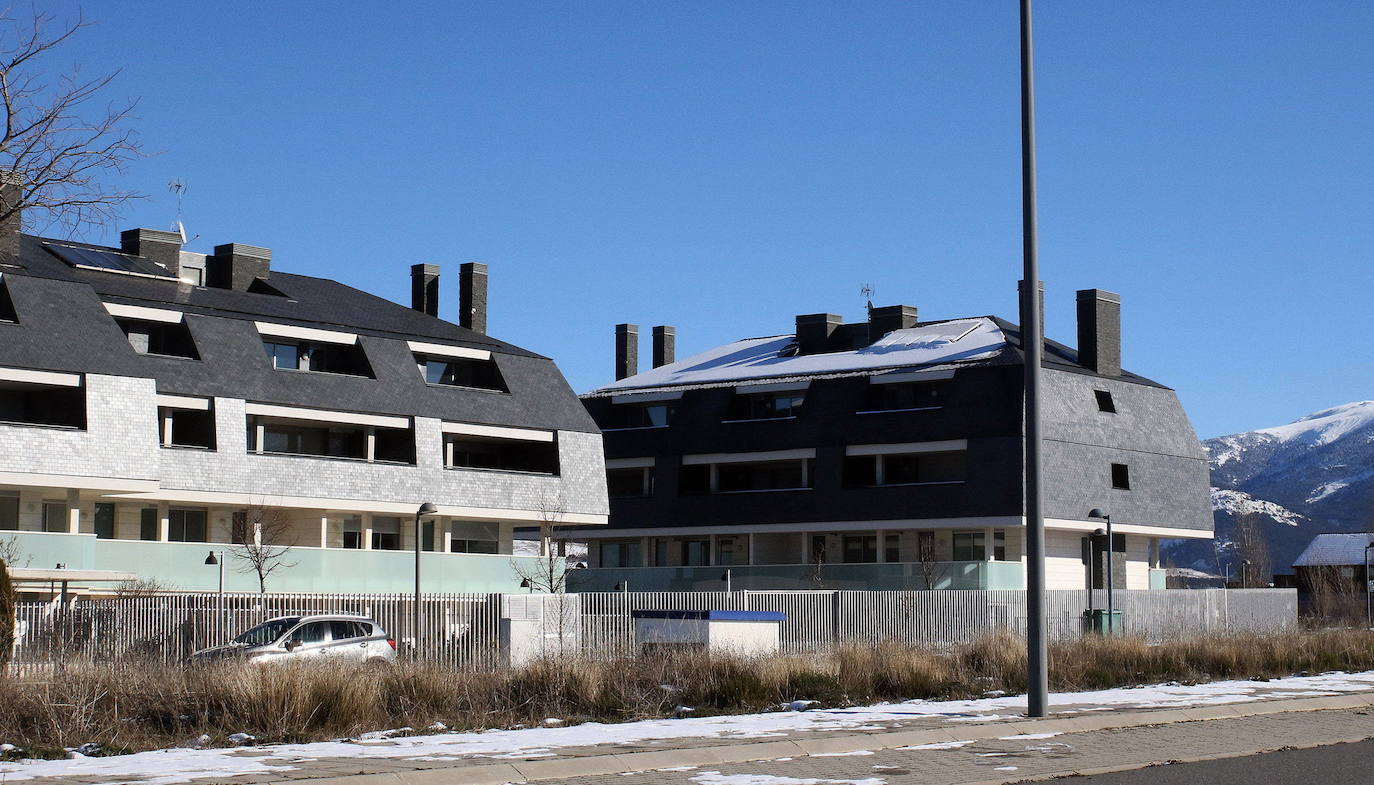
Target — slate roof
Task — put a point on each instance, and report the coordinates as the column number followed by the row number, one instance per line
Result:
column 64, row 327
column 972, row 341
column 1335, row 550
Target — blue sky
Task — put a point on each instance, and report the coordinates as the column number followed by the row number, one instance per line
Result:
column 722, row 167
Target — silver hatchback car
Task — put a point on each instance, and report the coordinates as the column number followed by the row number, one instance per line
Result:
column 321, row 638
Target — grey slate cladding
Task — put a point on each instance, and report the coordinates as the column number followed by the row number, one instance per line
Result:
column 64, row 327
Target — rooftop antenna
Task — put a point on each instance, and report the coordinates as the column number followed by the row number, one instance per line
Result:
column 867, row 293
column 178, row 186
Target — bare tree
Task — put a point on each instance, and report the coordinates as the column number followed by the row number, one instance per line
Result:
column 548, row 573
column 928, row 559
column 1252, row 552
column 141, row 587
column 12, row 554
column 59, row 143
column 262, row 539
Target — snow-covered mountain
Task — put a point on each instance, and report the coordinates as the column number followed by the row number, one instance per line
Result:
column 1313, row 475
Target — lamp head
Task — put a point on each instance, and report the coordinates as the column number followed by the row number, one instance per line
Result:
column 427, row 508
column 1098, row 512
column 1100, row 533
column 211, row 560
column 525, row 584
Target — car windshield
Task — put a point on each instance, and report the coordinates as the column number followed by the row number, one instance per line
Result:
column 267, row 632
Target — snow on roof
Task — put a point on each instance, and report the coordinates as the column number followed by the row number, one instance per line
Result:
column 755, row 358
column 1328, row 550
column 1325, row 426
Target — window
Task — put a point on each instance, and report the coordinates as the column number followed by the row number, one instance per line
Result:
column 635, row 415
column 968, row 546
column 340, row 630
column 661, row 551
column 860, row 548
column 904, row 469
column 696, row 553
column 187, row 427
column 730, row 550
column 186, row 526
column 386, row 533
column 762, row 476
column 7, row 312
column 9, row 511
column 168, row 339
column 765, row 406
column 620, row 554
column 1104, row 401
column 892, row 547
column 461, row 372
column 353, row 532
column 696, row 478
column 104, row 521
column 464, row 451
column 626, row 483
column 1121, row 476
column 298, row 437
column 27, row 403
column 148, row 524
column 459, row 545
column 348, row 359
column 314, row 632
column 54, row 517
column 427, row 536
column 999, row 545
column 904, row 396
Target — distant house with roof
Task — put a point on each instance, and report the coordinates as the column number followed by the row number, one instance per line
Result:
column 1334, row 563
column 886, row 454
column 156, row 405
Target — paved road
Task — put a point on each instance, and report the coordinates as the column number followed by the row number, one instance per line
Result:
column 1338, row 764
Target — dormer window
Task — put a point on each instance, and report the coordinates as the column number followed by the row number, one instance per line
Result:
column 765, row 405
column 7, row 312
column 155, row 331
column 1104, row 401
column 457, row 366
column 294, row 348
column 631, row 415
column 907, row 396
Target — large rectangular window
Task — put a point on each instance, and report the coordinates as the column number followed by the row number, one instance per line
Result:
column 763, row 476
column 104, row 521
column 353, row 532
column 621, row 554
column 347, row 359
column 765, row 406
column 637, row 415
column 187, row 526
column 904, row 396
column 54, row 517
column 696, row 553
column 461, row 372
column 860, row 548
column 386, row 533
column 968, row 546
column 169, row 339
column 193, row 428
column 904, row 468
column 330, row 440
column 42, row 404
column 148, row 524
column 627, row 483
column 465, row 451
column 9, row 511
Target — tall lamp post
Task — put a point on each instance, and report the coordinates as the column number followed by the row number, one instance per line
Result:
column 211, row 561
column 427, row 508
column 1368, row 622
column 1097, row 512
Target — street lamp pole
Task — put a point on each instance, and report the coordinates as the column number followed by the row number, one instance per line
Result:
column 219, row 616
column 1368, row 622
column 1032, row 345
column 1097, row 512
column 425, row 509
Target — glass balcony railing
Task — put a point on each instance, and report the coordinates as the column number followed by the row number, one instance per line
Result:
column 907, row 576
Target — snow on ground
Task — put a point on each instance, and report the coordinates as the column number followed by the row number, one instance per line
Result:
column 1240, row 503
column 716, row 778
column 164, row 767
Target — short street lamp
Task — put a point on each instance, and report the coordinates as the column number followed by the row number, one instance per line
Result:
column 1098, row 512
column 211, row 561
column 425, row 509
column 1368, row 622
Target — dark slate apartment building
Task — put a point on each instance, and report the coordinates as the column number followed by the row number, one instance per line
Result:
column 886, row 454
column 157, row 405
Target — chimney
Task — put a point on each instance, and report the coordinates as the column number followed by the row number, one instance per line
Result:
column 11, row 194
column 472, row 296
column 235, row 266
column 1099, row 331
column 885, row 319
column 424, row 288
column 159, row 247
column 1020, row 294
column 816, row 332
column 665, row 345
column 626, row 351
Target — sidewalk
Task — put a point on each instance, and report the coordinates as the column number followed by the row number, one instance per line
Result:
column 944, row 741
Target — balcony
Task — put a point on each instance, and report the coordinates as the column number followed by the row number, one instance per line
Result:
column 890, row 576
column 181, row 566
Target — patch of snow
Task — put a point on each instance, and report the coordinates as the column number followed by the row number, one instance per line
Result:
column 242, row 738
column 842, row 754
column 684, row 768
column 942, row 745
column 800, row 705
column 553, row 722
column 1004, row 768
column 716, row 778
column 1326, row 426
column 1240, row 503
column 1028, row 736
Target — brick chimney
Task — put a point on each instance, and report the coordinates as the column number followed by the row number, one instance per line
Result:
column 885, row 319
column 665, row 345
column 816, row 332
column 424, row 288
column 1099, row 331
column 159, row 247
column 235, row 266
column 472, row 296
column 626, row 351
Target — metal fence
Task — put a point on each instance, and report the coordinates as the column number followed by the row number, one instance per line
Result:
column 465, row 630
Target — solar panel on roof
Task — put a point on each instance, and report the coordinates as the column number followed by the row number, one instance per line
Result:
column 107, row 261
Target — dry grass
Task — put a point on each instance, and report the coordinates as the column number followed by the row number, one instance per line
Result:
column 129, row 709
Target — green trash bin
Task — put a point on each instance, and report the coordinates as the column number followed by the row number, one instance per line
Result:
column 1102, row 623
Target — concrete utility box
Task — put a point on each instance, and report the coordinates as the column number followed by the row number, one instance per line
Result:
column 534, row 626
column 743, row 633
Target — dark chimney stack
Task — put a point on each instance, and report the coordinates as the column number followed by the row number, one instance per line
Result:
column 11, row 194
column 235, row 266
column 1099, row 331
column 885, row 319
column 159, row 247
column 665, row 345
column 472, row 296
column 816, row 332
column 626, row 351
column 424, row 288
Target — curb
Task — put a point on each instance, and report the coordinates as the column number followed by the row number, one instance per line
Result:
column 598, row 765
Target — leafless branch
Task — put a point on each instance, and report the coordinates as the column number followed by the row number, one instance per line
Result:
column 262, row 540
